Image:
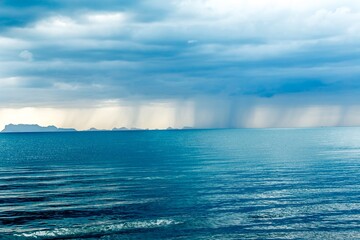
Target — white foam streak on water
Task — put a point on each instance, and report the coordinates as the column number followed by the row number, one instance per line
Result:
column 98, row 228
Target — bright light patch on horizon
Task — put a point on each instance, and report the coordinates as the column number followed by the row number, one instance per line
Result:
column 188, row 115
column 148, row 116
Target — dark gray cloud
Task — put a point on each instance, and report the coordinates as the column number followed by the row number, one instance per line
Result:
column 97, row 50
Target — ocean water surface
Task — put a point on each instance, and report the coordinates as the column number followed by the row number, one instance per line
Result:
column 193, row 184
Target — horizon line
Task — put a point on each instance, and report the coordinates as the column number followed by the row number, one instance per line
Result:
column 133, row 129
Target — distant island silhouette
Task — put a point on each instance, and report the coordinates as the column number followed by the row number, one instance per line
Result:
column 28, row 128
column 18, row 128
column 127, row 129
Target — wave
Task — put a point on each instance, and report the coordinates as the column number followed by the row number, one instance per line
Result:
column 96, row 230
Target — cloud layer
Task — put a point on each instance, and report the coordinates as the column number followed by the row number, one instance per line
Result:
column 62, row 54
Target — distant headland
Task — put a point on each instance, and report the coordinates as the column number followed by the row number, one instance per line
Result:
column 19, row 128
column 28, row 128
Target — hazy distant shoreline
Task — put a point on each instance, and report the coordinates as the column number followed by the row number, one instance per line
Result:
column 35, row 128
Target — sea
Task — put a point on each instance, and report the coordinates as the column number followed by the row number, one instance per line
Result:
column 190, row 184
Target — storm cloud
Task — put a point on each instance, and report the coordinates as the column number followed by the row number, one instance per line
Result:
column 239, row 55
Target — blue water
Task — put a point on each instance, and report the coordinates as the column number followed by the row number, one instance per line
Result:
column 195, row 184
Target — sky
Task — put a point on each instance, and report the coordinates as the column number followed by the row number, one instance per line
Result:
column 197, row 63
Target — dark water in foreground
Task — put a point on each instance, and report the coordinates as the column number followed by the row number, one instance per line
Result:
column 196, row 184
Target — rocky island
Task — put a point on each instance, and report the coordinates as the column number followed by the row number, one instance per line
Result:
column 24, row 128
